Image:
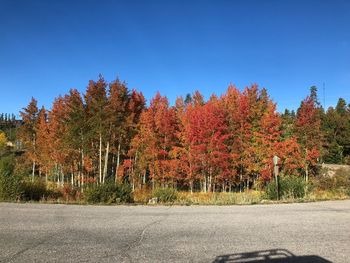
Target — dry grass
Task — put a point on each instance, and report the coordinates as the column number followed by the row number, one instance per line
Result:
column 319, row 195
column 247, row 197
column 141, row 196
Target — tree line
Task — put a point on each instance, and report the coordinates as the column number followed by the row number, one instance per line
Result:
column 223, row 144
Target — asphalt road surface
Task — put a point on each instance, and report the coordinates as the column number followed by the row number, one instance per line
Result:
column 309, row 232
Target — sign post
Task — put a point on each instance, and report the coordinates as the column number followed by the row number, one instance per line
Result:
column 276, row 171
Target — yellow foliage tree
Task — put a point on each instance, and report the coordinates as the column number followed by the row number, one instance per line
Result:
column 3, row 141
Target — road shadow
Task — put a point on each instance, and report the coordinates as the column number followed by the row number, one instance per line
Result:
column 269, row 256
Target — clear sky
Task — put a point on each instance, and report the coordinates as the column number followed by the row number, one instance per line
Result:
column 176, row 47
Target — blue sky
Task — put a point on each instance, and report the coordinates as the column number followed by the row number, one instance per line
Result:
column 176, row 47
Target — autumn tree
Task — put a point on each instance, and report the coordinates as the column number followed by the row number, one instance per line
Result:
column 136, row 106
column 206, row 132
column 308, row 133
column 27, row 132
column 76, row 136
column 43, row 143
column 96, row 101
column 57, row 127
column 156, row 139
column 117, row 111
column 3, row 141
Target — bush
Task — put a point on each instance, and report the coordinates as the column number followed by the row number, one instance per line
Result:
column 142, row 195
column 69, row 193
column 7, row 164
column 339, row 181
column 10, row 187
column 289, row 187
column 53, row 195
column 108, row 193
column 165, row 195
column 34, row 191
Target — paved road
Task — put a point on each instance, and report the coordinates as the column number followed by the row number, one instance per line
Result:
column 313, row 232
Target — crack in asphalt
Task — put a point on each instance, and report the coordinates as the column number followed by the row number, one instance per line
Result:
column 137, row 242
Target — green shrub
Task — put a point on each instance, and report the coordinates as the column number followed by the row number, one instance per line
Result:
column 34, row 191
column 7, row 164
column 10, row 187
column 165, row 195
column 271, row 190
column 293, row 187
column 108, row 193
column 289, row 187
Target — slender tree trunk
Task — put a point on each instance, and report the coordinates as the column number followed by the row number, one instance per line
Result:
column 209, row 188
column 62, row 183
column 34, row 163
column 113, row 162
column 100, row 160
column 81, row 173
column 210, row 183
column 33, row 171
column 139, row 176
column 118, row 162
column 57, row 174
column 306, row 172
column 306, row 167
column 240, row 183
column 79, row 179
column 153, row 184
column 82, row 170
column 106, row 163
column 144, row 177
column 72, row 179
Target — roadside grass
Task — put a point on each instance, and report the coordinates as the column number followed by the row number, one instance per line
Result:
column 198, row 198
column 250, row 197
column 323, row 195
column 109, row 194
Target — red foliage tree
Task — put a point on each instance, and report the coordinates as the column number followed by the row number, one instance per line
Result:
column 308, row 133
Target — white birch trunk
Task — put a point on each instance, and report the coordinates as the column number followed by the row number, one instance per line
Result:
column 118, row 163
column 82, row 170
column 106, row 163
column 100, row 160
